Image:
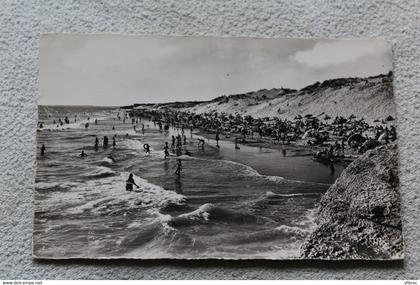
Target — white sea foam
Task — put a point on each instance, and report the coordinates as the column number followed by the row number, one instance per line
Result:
column 294, row 231
column 48, row 185
column 134, row 144
column 201, row 213
column 271, row 194
column 252, row 172
column 108, row 160
column 108, row 196
column 99, row 170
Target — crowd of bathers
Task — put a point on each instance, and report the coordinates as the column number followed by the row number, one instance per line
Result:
column 177, row 142
column 334, row 135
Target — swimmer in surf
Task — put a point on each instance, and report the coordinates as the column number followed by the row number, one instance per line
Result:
column 146, row 148
column 83, row 154
column 130, row 182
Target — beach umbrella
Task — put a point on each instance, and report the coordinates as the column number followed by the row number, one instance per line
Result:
column 356, row 138
column 371, row 143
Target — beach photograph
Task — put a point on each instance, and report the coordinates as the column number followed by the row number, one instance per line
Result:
column 189, row 147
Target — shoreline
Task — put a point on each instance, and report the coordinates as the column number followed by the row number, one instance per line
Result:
column 303, row 150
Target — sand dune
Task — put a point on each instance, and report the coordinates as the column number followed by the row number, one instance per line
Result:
column 369, row 98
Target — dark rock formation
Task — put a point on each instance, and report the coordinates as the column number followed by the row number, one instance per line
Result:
column 359, row 215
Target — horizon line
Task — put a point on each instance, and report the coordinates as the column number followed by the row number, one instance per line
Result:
column 208, row 100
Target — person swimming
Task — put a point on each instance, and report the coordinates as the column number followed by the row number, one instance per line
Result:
column 83, row 154
column 187, row 152
column 130, row 182
column 146, row 148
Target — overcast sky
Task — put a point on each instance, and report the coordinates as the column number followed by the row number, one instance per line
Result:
column 112, row 70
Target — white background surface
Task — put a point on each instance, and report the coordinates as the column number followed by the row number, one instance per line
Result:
column 22, row 22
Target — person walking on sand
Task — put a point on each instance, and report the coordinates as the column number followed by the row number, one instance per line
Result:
column 130, row 182
column 178, row 166
column 43, row 149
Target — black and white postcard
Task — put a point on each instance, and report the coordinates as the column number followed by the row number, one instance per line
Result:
column 180, row 147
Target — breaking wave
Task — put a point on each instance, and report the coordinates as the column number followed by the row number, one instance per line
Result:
column 270, row 194
column 108, row 196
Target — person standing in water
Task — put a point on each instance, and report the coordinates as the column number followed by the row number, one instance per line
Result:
column 201, row 143
column 130, row 182
column 105, row 144
column 83, row 154
column 96, row 143
column 178, row 167
column 114, row 143
column 43, row 148
column 217, row 139
column 173, row 142
column 166, row 149
column 236, row 144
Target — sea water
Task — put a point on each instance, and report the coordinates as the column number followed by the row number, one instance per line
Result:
column 250, row 202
